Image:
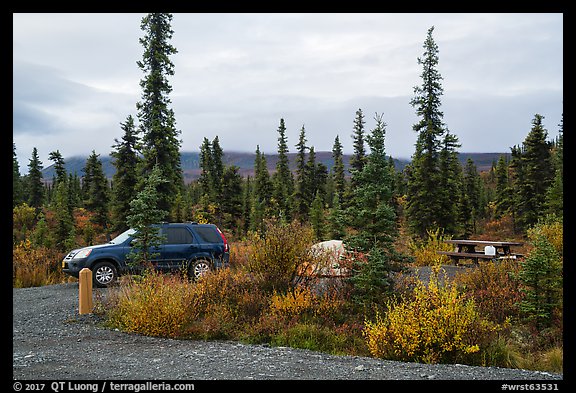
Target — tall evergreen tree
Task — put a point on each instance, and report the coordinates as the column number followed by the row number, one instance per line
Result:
column 125, row 179
column 450, row 183
column 555, row 194
column 206, row 166
column 97, row 192
column 17, row 187
column 373, row 221
column 35, row 186
column 336, row 219
column 217, row 170
column 338, row 170
column 262, row 194
column 232, row 198
column 160, row 138
column 300, row 206
column 317, row 217
column 470, row 200
column 283, row 180
column 144, row 212
column 59, row 166
column 308, row 184
column 64, row 232
column 538, row 169
column 503, row 197
column 246, row 205
column 359, row 157
column 371, row 214
column 424, row 199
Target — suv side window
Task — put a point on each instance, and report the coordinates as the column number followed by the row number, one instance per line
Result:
column 208, row 235
column 178, row 235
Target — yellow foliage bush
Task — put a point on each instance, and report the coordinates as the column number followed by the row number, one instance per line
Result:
column 291, row 304
column 436, row 325
column 425, row 254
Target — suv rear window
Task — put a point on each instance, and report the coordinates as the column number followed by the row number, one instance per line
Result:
column 208, row 235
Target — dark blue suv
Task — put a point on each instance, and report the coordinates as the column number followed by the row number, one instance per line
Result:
column 186, row 247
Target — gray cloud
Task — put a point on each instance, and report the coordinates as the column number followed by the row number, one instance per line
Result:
column 75, row 77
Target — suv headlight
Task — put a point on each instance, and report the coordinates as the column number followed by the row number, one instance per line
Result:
column 82, row 253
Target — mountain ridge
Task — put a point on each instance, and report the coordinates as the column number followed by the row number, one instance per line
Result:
column 190, row 162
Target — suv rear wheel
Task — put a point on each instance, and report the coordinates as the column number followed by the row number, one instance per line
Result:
column 104, row 274
column 199, row 268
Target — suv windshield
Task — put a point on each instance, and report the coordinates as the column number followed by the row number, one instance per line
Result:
column 121, row 238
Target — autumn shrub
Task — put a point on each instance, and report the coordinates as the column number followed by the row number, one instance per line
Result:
column 35, row 266
column 425, row 252
column 223, row 303
column 293, row 303
column 494, row 288
column 280, row 253
column 437, row 325
column 156, row 305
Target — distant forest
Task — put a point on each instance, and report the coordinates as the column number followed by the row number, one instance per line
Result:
column 191, row 168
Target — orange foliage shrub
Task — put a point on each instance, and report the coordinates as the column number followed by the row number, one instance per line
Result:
column 156, row 305
column 493, row 287
column 32, row 267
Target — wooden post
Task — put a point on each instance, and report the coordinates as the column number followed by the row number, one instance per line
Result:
column 85, row 291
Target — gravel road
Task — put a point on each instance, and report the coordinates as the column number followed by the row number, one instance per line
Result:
column 51, row 341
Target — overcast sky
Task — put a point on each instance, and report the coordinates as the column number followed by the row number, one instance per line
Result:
column 75, row 78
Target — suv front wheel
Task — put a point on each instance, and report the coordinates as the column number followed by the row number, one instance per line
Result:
column 104, row 274
column 199, row 268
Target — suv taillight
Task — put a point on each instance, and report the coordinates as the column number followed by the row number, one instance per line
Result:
column 226, row 249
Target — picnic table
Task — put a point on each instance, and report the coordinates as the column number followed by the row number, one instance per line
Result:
column 488, row 250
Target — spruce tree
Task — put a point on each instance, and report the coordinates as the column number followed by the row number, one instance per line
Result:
column 472, row 187
column 317, row 217
column 370, row 213
column 538, row 173
column 246, row 205
column 450, row 183
column 17, row 187
column 359, row 157
column 125, row 178
column 424, row 198
column 34, row 182
column 64, row 232
column 372, row 219
column 299, row 199
column 97, row 193
column 282, row 179
column 217, row 170
column 336, row 219
column 503, row 197
column 160, row 138
column 338, row 170
column 555, row 194
column 232, row 198
column 206, row 165
column 542, row 272
column 262, row 194
column 144, row 213
column 59, row 166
